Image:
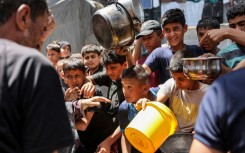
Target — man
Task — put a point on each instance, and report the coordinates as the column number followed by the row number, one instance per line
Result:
column 33, row 117
column 221, row 117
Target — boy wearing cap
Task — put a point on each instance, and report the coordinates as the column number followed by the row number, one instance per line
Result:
column 151, row 37
column 174, row 27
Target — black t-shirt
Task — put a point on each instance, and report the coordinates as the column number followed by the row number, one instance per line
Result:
column 111, row 90
column 98, row 129
column 33, row 117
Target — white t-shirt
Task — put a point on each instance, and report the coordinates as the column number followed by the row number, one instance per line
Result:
column 183, row 103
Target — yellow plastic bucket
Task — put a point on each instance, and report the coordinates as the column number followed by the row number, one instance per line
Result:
column 150, row 127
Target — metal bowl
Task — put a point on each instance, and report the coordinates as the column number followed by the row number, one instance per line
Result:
column 202, row 68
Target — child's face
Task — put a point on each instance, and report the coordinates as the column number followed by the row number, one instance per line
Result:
column 207, row 46
column 91, row 60
column 74, row 78
column 182, row 82
column 133, row 90
column 174, row 33
column 59, row 68
column 53, row 56
column 114, row 70
column 152, row 41
column 238, row 23
column 65, row 51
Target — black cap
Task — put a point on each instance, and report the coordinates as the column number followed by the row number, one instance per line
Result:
column 148, row 27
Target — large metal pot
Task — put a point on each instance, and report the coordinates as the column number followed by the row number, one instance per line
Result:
column 177, row 143
column 134, row 8
column 202, row 68
column 113, row 26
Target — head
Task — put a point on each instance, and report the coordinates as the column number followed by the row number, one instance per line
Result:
column 204, row 25
column 91, row 56
column 174, row 27
column 176, row 70
column 236, row 17
column 74, row 72
column 65, row 49
column 53, row 52
column 23, row 21
column 135, row 81
column 77, row 56
column 59, row 67
column 151, row 34
column 114, row 64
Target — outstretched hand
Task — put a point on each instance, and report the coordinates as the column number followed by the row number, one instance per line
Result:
column 91, row 102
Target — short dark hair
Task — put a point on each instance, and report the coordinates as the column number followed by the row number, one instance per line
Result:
column 91, row 48
column 237, row 10
column 173, row 16
column 136, row 72
column 73, row 64
column 54, row 45
column 208, row 23
column 9, row 7
column 110, row 57
column 176, row 62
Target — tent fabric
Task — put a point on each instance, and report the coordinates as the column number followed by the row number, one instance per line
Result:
column 73, row 22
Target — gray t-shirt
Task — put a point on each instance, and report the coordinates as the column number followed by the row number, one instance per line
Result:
column 183, row 103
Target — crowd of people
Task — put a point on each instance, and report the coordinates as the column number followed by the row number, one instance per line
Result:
column 82, row 102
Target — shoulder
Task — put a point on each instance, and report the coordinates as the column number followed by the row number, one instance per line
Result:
column 159, row 54
column 21, row 54
column 162, row 51
column 229, row 48
column 123, row 106
column 168, row 85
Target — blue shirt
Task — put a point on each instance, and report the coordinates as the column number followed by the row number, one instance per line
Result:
column 221, row 118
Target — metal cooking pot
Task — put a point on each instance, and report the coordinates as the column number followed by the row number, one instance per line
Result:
column 113, row 26
column 177, row 143
column 135, row 9
column 202, row 68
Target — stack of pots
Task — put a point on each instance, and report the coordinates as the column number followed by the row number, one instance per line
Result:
column 113, row 25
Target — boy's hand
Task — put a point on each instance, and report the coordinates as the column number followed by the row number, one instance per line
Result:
column 214, row 36
column 72, row 94
column 87, row 90
column 91, row 102
column 207, row 55
column 141, row 104
column 124, row 51
column 104, row 147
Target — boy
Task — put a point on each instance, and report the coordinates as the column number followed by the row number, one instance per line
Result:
column 65, row 49
column 184, row 94
column 204, row 25
column 135, row 81
column 174, row 27
column 111, row 86
column 93, row 125
column 151, row 37
column 234, row 53
column 53, row 52
column 59, row 69
column 92, row 58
